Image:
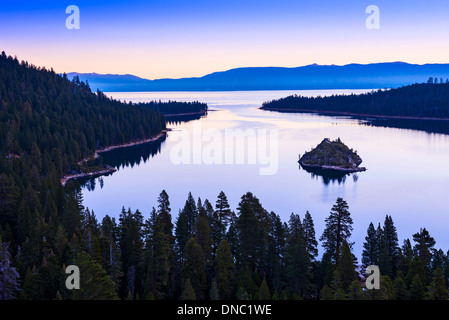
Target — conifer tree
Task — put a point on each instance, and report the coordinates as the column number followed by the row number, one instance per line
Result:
column 406, row 256
column 355, row 291
column 222, row 211
column 424, row 246
column 370, row 254
column 194, row 268
column 338, row 230
column 326, row 293
column 249, row 228
column 213, row 293
column 95, row 284
column 242, row 294
column 188, row 293
column 185, row 224
column 276, row 252
column 309, row 236
column 400, row 288
column 417, row 290
column 438, row 289
column 297, row 259
column 345, row 269
column 162, row 262
column 224, row 264
column 202, row 234
column 264, row 291
column 389, row 249
column 9, row 277
column 416, row 268
column 32, row 286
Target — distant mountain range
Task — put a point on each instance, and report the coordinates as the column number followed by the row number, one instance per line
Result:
column 350, row 76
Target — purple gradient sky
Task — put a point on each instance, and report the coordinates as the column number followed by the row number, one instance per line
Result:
column 180, row 38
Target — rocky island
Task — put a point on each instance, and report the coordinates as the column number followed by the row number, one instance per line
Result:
column 332, row 156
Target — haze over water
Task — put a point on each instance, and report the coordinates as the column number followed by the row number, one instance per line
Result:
column 407, row 174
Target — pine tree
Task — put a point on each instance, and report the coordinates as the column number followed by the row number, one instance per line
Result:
column 72, row 215
column 95, row 284
column 297, row 259
column 246, row 281
column 416, row 291
column 213, row 293
column 185, row 224
column 131, row 247
column 438, row 289
column 222, row 211
column 248, row 227
column 438, row 260
column 276, row 252
column 389, row 253
column 9, row 277
column 264, row 292
column 224, row 264
column 242, row 294
column 188, row 293
column 232, row 237
column 338, row 230
column 400, row 288
column 406, row 256
column 32, row 285
column 162, row 251
column 370, row 254
column 326, row 293
column 202, row 234
column 355, row 291
column 424, row 246
column 253, row 227
column 194, row 268
column 345, row 269
column 8, row 198
column 309, row 236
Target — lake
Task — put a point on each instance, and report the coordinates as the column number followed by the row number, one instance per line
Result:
column 407, row 173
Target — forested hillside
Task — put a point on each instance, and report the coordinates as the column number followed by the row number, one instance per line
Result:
column 48, row 120
column 49, row 123
column 426, row 100
column 208, row 251
column 175, row 107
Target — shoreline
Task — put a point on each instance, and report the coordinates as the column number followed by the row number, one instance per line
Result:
column 108, row 169
column 333, row 168
column 186, row 114
column 342, row 113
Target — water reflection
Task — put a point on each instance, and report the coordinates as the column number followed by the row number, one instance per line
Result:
column 175, row 120
column 125, row 157
column 91, row 183
column 429, row 126
column 329, row 176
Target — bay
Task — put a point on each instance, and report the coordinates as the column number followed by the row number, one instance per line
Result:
column 407, row 174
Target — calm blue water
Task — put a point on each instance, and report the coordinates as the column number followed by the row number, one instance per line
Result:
column 407, row 176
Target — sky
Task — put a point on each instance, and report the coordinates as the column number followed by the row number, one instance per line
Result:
column 190, row 38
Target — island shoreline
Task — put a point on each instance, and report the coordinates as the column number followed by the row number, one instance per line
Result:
column 333, row 168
